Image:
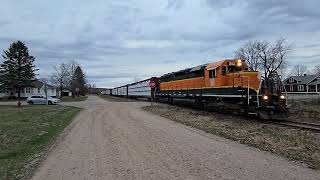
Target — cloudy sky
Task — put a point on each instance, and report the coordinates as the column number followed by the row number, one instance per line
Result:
column 121, row 40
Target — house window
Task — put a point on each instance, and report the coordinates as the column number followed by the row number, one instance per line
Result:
column 281, row 88
column 212, row 73
column 52, row 90
column 38, row 90
column 2, row 90
column 291, row 80
column 28, row 90
column 291, row 88
column 301, row 88
column 22, row 90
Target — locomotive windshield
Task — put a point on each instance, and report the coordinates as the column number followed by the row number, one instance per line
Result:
column 230, row 69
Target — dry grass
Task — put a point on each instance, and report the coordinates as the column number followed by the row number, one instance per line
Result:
column 307, row 110
column 293, row 144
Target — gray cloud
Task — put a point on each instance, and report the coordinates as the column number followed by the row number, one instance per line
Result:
column 116, row 40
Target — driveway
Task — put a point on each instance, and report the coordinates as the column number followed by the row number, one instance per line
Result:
column 118, row 140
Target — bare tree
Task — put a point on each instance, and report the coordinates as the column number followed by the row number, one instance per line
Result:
column 264, row 56
column 250, row 53
column 60, row 77
column 316, row 69
column 299, row 70
column 283, row 72
column 273, row 57
column 269, row 58
column 71, row 76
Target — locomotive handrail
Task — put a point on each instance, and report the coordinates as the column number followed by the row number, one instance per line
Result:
column 248, row 88
column 258, row 103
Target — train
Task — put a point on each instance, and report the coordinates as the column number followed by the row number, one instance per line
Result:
column 226, row 85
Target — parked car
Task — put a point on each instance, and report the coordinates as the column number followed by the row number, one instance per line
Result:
column 41, row 99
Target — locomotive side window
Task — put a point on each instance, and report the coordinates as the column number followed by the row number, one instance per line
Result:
column 224, row 71
column 212, row 73
column 231, row 69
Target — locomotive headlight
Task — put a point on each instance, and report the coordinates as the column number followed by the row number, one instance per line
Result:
column 282, row 97
column 265, row 97
column 239, row 64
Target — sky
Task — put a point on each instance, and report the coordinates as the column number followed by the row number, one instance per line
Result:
column 119, row 41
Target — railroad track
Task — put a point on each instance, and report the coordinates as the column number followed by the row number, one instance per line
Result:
column 300, row 125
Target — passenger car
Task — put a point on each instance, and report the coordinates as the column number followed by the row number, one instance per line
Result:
column 41, row 99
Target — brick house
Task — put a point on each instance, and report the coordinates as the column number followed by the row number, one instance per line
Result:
column 302, row 84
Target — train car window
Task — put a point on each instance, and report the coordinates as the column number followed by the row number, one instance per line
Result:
column 224, row 70
column 212, row 73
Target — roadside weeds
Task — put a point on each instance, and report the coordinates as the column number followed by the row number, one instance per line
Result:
column 293, row 144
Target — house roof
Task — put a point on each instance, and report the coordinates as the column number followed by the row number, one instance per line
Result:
column 36, row 84
column 315, row 82
column 39, row 84
column 303, row 79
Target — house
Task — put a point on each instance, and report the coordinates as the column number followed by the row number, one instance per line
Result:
column 36, row 87
column 302, row 84
column 65, row 92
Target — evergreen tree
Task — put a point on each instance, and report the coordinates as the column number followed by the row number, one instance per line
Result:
column 17, row 70
column 78, row 84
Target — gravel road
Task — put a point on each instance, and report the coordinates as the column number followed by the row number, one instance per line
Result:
column 118, row 140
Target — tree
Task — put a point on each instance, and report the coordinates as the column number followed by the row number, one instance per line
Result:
column 17, row 70
column 60, row 77
column 273, row 57
column 72, row 67
column 299, row 70
column 250, row 53
column 269, row 58
column 316, row 69
column 78, row 83
column 264, row 56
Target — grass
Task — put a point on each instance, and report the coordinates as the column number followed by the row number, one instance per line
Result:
column 26, row 133
column 293, row 144
column 306, row 110
column 75, row 99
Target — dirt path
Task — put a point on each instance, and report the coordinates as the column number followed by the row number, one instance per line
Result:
column 117, row 140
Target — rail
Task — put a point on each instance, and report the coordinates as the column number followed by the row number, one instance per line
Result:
column 300, row 125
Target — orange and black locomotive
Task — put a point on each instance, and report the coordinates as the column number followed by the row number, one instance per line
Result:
column 227, row 85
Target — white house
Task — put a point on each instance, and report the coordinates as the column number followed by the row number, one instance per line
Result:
column 37, row 87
